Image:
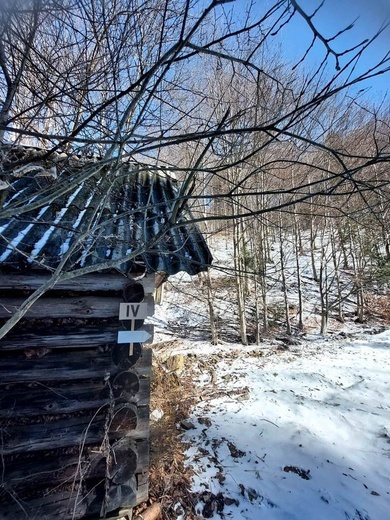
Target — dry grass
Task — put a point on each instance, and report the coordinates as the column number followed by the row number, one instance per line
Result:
column 174, row 394
column 378, row 306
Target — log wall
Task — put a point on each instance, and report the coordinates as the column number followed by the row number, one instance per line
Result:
column 74, row 405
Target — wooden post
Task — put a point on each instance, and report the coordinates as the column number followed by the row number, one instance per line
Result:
column 151, row 513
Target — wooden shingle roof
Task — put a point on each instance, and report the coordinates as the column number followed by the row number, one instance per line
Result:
column 89, row 214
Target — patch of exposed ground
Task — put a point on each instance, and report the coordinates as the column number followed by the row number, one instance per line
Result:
column 173, row 393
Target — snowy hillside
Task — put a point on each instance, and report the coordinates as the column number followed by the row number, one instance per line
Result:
column 288, row 429
column 297, row 434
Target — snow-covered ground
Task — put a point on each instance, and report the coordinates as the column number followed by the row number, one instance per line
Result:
column 299, row 431
column 299, row 434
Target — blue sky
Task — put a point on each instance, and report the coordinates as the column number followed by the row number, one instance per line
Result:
column 295, row 37
column 333, row 17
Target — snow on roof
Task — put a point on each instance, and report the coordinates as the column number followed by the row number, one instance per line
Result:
column 95, row 213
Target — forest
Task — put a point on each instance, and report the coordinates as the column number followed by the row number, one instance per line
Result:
column 260, row 147
column 265, row 126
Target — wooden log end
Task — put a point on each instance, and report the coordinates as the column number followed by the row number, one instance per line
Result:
column 151, row 513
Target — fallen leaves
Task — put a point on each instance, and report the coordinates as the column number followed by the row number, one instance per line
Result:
column 303, row 473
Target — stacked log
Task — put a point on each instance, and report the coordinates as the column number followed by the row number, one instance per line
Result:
column 74, row 407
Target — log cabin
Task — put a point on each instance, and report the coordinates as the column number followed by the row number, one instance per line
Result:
column 84, row 235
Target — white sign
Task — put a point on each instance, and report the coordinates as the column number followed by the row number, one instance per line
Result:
column 133, row 311
column 133, row 336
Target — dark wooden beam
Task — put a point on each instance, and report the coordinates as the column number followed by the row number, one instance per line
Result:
column 63, row 366
column 63, row 336
column 74, row 431
column 90, row 282
column 31, row 401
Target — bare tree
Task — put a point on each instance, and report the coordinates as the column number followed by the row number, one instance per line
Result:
column 130, row 79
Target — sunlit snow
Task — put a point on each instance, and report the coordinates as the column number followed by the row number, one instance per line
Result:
column 323, row 409
column 297, row 432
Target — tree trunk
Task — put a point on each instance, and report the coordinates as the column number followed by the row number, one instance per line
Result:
column 240, row 288
column 324, row 289
column 283, row 275
column 336, row 265
column 312, row 249
column 205, row 277
column 298, row 249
